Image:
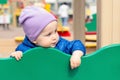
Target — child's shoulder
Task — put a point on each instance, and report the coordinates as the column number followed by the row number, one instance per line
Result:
column 61, row 39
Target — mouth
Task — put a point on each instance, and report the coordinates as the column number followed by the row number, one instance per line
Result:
column 53, row 44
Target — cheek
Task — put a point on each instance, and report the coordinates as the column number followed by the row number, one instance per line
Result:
column 43, row 42
column 39, row 41
column 57, row 36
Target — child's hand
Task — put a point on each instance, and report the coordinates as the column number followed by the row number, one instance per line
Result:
column 75, row 59
column 17, row 55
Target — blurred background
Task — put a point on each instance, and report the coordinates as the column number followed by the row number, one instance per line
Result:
column 11, row 33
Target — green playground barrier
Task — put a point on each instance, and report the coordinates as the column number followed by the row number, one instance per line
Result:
column 91, row 26
column 51, row 64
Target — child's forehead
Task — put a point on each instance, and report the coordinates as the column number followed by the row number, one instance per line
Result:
column 52, row 25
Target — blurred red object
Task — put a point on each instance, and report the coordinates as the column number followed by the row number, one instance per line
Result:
column 64, row 33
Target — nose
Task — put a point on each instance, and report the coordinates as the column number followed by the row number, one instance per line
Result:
column 54, row 36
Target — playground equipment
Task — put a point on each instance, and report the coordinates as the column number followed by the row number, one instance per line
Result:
column 19, row 39
column 91, row 37
column 5, row 17
column 3, row 1
column 51, row 64
column 91, row 26
column 62, row 30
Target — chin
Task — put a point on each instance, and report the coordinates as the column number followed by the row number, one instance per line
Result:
column 52, row 46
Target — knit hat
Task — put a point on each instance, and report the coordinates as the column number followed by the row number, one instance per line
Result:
column 33, row 20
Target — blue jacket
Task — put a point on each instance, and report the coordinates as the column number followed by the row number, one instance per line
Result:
column 63, row 45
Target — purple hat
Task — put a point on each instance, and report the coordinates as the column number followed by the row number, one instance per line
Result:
column 33, row 20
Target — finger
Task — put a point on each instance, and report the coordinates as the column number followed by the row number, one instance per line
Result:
column 77, row 64
column 20, row 53
column 12, row 55
column 17, row 57
column 72, row 65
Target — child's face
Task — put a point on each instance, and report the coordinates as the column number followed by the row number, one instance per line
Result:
column 49, row 36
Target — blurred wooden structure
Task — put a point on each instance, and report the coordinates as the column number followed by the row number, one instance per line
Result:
column 108, row 21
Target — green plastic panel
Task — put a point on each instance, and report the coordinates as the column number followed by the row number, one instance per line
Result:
column 3, row 1
column 51, row 64
column 91, row 27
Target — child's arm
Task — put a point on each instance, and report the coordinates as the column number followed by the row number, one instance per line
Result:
column 17, row 54
column 75, row 59
column 75, row 48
